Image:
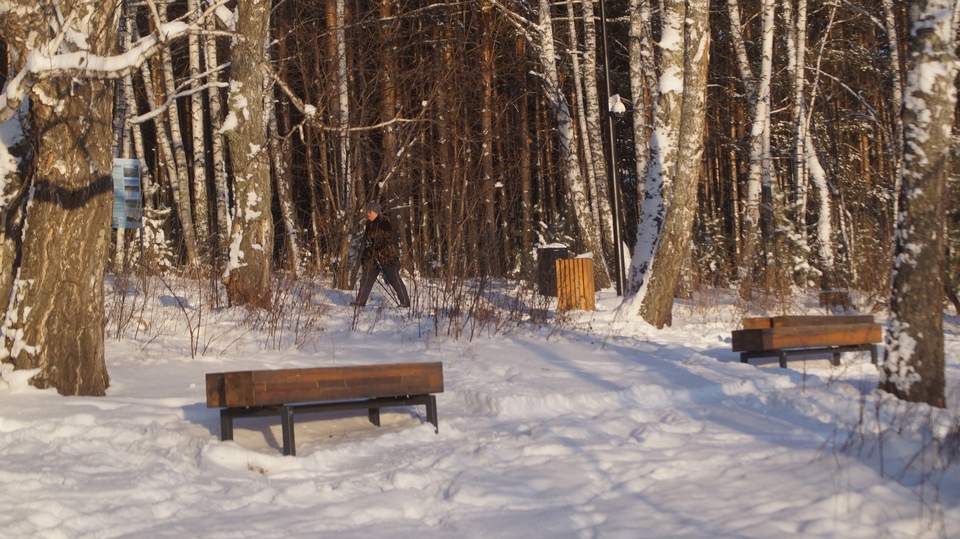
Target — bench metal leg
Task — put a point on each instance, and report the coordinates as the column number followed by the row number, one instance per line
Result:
column 873, row 353
column 226, row 425
column 286, row 425
column 783, row 359
column 432, row 412
column 373, row 414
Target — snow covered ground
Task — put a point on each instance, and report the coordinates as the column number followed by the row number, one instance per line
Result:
column 602, row 428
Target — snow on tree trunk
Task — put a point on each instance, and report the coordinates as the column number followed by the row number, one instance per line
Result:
column 758, row 176
column 913, row 366
column 201, row 204
column 680, row 200
column 249, row 269
column 586, row 224
column 642, row 84
column 279, row 152
column 54, row 321
column 663, row 149
column 896, row 97
column 180, row 182
column 807, row 165
column 592, row 127
column 217, row 144
column 347, row 192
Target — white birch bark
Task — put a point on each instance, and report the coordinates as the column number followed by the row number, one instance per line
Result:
column 201, row 209
column 663, row 148
column 896, row 97
column 759, row 165
column 568, row 146
column 595, row 116
column 217, row 143
column 807, row 166
column 914, row 364
column 347, row 192
column 643, row 82
column 291, row 236
column 180, row 182
column 680, row 199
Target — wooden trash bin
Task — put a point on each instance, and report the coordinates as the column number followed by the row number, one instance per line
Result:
column 575, row 288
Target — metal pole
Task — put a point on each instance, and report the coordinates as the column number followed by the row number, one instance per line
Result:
column 612, row 161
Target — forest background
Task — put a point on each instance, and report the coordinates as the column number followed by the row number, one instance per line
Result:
column 757, row 144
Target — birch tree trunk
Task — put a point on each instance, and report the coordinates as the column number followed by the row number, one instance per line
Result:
column 896, row 98
column 249, row 269
column 759, row 168
column 54, row 321
column 201, row 204
column 180, row 183
column 217, row 146
column 600, row 186
column 680, row 199
column 586, row 224
column 913, row 366
column 346, row 202
column 807, row 166
column 279, row 152
column 166, row 169
column 156, row 251
column 663, row 147
column 643, row 82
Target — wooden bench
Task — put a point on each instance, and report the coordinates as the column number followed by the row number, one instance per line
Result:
column 784, row 336
column 287, row 392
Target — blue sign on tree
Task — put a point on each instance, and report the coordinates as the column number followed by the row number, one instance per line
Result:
column 127, row 198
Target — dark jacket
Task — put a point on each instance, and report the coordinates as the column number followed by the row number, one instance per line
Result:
column 380, row 247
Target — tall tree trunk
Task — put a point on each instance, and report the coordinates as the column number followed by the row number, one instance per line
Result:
column 280, row 155
column 489, row 246
column 896, row 98
column 346, row 202
column 759, row 169
column 599, row 184
column 680, row 199
column 913, row 367
column 643, row 84
column 180, row 183
column 663, row 148
column 249, row 269
column 201, row 203
column 586, row 224
column 807, row 167
column 55, row 318
column 217, row 146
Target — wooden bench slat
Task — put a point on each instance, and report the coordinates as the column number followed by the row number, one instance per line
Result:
column 805, row 320
column 267, row 388
column 816, row 336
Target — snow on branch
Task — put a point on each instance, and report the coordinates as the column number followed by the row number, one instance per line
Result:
column 45, row 63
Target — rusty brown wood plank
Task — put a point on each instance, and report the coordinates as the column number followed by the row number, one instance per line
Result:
column 757, row 323
column 805, row 320
column 818, row 320
column 780, row 338
column 286, row 386
column 216, row 396
column 239, row 388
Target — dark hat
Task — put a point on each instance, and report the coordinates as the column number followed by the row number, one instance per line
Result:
column 375, row 207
